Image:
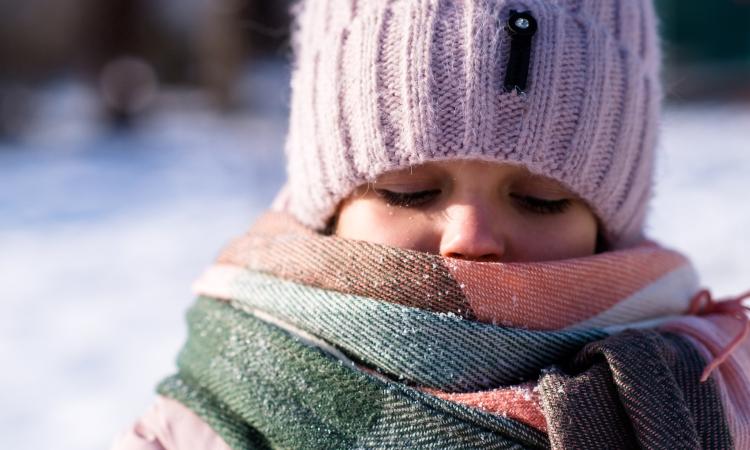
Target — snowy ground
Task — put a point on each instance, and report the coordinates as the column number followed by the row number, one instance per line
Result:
column 101, row 234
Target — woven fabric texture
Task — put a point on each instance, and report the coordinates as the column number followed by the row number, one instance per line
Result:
column 259, row 387
column 650, row 282
column 275, row 358
column 653, row 379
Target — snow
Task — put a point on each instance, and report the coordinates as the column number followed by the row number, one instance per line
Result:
column 102, row 233
column 701, row 206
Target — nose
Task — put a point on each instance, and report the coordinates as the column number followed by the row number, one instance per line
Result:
column 469, row 233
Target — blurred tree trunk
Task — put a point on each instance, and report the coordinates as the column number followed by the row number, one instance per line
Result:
column 38, row 36
column 221, row 49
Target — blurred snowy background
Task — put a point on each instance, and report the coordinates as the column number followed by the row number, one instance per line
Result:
column 126, row 166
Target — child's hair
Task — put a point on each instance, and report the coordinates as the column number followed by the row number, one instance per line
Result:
column 568, row 89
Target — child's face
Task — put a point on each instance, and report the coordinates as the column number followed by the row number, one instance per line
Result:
column 471, row 210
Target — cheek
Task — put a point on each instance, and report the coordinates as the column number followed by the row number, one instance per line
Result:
column 372, row 221
column 570, row 236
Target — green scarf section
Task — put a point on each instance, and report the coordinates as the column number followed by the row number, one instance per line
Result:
column 260, row 387
column 413, row 345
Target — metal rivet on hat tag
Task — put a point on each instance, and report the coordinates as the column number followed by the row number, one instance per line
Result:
column 522, row 23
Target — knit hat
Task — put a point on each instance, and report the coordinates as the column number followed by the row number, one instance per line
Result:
column 568, row 89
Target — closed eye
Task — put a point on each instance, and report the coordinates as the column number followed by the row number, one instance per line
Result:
column 408, row 199
column 541, row 206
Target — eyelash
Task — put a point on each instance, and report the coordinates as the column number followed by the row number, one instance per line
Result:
column 407, row 199
column 540, row 206
column 421, row 198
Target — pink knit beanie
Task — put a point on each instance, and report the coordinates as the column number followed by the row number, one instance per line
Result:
column 568, row 89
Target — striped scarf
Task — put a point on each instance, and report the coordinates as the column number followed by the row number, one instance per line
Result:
column 306, row 341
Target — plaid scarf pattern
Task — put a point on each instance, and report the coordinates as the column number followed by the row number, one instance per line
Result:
column 306, row 341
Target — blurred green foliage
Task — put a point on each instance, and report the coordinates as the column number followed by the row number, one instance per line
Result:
column 706, row 31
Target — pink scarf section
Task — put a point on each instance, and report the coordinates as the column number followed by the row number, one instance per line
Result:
column 621, row 287
column 712, row 334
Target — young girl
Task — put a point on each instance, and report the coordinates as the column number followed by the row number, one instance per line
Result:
column 458, row 258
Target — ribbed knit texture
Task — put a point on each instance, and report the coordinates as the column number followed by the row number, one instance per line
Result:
column 382, row 85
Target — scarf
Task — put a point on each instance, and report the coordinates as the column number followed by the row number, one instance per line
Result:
column 299, row 340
